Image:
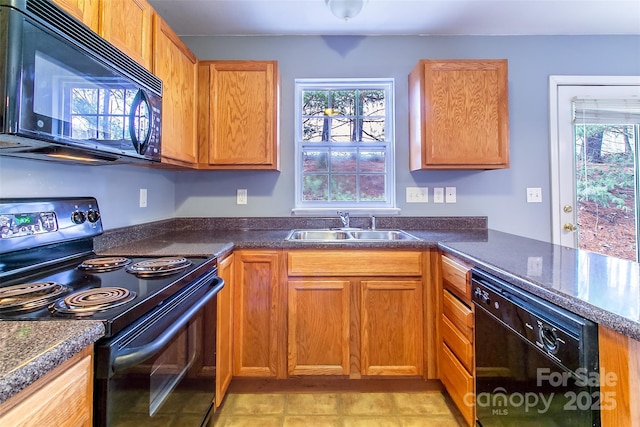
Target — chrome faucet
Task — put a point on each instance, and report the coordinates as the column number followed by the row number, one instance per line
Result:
column 373, row 222
column 344, row 217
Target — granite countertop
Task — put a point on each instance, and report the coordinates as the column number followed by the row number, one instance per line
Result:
column 603, row 289
column 30, row 349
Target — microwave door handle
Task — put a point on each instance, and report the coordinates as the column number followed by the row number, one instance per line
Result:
column 132, row 356
column 140, row 97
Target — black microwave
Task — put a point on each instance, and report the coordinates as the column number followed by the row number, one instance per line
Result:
column 69, row 94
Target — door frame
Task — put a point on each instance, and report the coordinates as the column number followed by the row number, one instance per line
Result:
column 555, row 82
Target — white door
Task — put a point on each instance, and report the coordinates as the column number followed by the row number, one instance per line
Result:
column 594, row 152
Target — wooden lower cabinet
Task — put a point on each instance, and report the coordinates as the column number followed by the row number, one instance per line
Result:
column 349, row 317
column 318, row 327
column 391, row 328
column 61, row 398
column 224, row 329
column 259, row 306
column 619, row 379
column 456, row 365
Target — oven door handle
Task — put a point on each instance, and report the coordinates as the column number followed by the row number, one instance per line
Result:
column 134, row 355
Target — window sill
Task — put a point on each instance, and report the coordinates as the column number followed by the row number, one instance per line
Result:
column 352, row 211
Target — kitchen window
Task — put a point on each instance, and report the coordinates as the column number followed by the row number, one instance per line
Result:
column 344, row 145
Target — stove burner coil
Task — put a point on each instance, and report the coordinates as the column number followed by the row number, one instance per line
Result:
column 29, row 296
column 100, row 265
column 159, row 266
column 89, row 301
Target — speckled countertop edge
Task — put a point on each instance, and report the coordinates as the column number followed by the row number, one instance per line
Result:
column 30, row 349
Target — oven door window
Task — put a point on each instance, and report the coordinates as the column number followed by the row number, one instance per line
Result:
column 171, row 388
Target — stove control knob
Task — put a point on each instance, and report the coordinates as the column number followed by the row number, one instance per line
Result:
column 93, row 215
column 78, row 217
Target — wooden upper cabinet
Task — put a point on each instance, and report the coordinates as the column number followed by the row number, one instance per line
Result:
column 86, row 11
column 177, row 67
column 459, row 114
column 127, row 24
column 238, row 114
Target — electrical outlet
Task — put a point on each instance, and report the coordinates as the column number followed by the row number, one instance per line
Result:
column 534, row 266
column 438, row 195
column 143, row 197
column 450, row 195
column 534, row 195
column 417, row 194
column 241, row 196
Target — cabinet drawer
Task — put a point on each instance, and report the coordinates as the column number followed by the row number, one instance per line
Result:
column 458, row 343
column 354, row 263
column 459, row 384
column 458, row 313
column 455, row 277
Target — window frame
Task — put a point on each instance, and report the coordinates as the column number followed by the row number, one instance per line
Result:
column 389, row 206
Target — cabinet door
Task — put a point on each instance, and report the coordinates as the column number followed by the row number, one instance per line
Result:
column 86, row 11
column 61, row 398
column 224, row 330
column 127, row 25
column 238, row 115
column 257, row 314
column 392, row 340
column 459, row 114
column 177, row 67
column 318, row 325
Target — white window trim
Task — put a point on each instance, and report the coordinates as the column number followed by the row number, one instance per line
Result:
column 554, row 140
column 391, row 207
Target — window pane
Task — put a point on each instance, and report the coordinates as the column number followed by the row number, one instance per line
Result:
column 344, row 102
column 315, row 188
column 372, row 130
column 83, row 127
column 342, row 129
column 314, row 102
column 373, row 103
column 315, row 129
column 372, row 188
column 84, row 101
column 372, row 161
column 315, row 161
column 343, row 161
column 343, row 187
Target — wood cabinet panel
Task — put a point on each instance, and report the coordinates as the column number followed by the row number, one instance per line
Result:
column 176, row 66
column 456, row 278
column 318, row 325
column 458, row 343
column 257, row 320
column 62, row 398
column 354, row 263
column 127, row 24
column 619, row 379
column 459, row 114
column 224, row 330
column 238, row 115
column 458, row 314
column 85, row 11
column 391, row 330
column 459, row 384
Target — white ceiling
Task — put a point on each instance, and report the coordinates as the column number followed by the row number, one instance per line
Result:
column 403, row 17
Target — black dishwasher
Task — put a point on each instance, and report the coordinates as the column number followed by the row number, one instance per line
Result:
column 536, row 363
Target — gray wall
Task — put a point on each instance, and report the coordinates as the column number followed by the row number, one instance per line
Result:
column 499, row 195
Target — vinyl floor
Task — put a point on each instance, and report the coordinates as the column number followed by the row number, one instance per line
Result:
column 336, row 406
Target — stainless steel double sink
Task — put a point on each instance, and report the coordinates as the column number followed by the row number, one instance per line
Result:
column 344, row 235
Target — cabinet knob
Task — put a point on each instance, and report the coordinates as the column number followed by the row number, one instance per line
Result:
column 570, row 227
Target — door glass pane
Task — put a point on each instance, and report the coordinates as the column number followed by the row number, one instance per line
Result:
column 606, row 188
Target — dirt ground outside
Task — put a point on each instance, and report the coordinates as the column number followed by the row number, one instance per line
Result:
column 608, row 230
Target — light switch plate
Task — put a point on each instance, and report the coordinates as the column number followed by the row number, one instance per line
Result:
column 438, row 195
column 417, row 194
column 241, row 196
column 143, row 197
